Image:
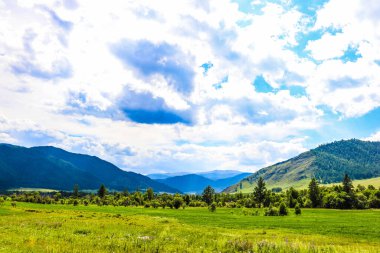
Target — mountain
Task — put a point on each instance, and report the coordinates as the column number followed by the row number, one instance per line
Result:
column 213, row 175
column 166, row 175
column 54, row 168
column 220, row 174
column 193, row 183
column 328, row 163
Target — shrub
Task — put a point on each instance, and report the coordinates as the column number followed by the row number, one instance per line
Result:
column 85, row 202
column 240, row 245
column 13, row 204
column 297, row 210
column 75, row 202
column 361, row 201
column 177, row 202
column 155, row 204
column 1, row 201
column 374, row 202
column 283, row 210
column 271, row 211
column 277, row 189
column 212, row 207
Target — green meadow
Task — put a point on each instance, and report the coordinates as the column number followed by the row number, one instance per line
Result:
column 65, row 228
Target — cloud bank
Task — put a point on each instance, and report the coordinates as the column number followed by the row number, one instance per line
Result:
column 188, row 85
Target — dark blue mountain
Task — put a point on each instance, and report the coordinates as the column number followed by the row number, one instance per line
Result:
column 193, row 183
column 54, row 168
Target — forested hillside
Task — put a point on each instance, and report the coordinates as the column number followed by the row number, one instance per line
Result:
column 327, row 163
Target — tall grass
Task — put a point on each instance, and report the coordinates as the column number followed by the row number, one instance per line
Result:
column 55, row 228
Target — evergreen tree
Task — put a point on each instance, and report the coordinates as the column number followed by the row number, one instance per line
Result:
column 314, row 193
column 347, row 184
column 208, row 195
column 150, row 194
column 102, row 191
column 76, row 191
column 348, row 188
column 260, row 190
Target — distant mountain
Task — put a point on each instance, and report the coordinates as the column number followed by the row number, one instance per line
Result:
column 166, row 175
column 193, row 183
column 54, row 168
column 213, row 175
column 220, row 174
column 328, row 163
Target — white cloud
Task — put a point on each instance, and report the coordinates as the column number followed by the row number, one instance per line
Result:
column 64, row 83
column 373, row 137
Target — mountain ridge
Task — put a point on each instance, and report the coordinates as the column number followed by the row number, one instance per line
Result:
column 328, row 163
column 195, row 183
column 55, row 168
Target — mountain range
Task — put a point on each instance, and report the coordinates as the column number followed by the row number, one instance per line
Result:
column 213, row 174
column 54, row 168
column 195, row 183
column 328, row 163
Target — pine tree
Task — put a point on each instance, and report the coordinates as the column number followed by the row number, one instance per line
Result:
column 348, row 188
column 208, row 195
column 102, row 191
column 150, row 194
column 260, row 191
column 76, row 191
column 347, row 184
column 314, row 193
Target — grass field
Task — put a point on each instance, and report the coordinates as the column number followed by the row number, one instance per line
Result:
column 56, row 228
column 365, row 182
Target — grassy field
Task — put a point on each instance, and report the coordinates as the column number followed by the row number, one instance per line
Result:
column 56, row 228
column 365, row 182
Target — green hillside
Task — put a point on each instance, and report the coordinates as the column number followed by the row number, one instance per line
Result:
column 328, row 163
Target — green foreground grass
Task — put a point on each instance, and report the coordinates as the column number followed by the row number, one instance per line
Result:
column 61, row 228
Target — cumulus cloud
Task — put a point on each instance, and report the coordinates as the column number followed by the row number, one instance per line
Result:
column 184, row 85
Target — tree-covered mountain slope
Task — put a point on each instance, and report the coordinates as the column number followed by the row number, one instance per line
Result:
column 54, row 168
column 328, row 163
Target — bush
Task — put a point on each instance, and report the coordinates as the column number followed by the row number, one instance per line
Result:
column 361, row 201
column 13, row 204
column 283, row 210
column 177, row 202
column 85, row 202
column 374, row 202
column 297, row 210
column 271, row 211
column 155, row 204
column 277, row 189
column 212, row 207
column 75, row 202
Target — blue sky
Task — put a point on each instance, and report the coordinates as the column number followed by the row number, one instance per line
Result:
column 189, row 85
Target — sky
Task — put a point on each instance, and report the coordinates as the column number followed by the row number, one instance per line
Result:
column 190, row 85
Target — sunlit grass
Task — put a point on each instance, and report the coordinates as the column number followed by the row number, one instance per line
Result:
column 57, row 228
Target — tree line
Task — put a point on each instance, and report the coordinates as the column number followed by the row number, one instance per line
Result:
column 275, row 202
